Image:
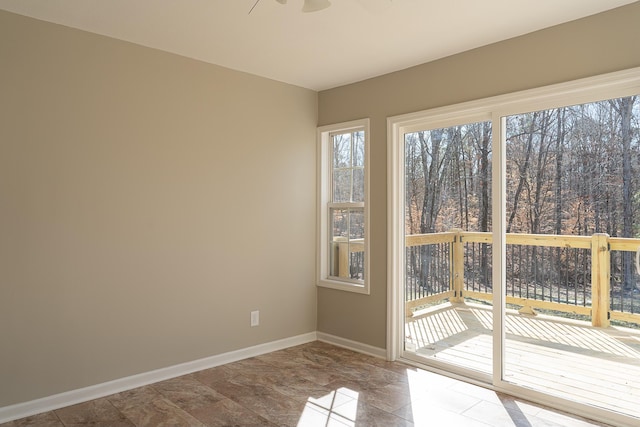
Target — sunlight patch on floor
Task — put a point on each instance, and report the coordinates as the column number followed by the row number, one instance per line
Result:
column 431, row 329
column 558, row 332
column 336, row 409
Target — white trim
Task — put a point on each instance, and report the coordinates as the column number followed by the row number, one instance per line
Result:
column 344, row 286
column 498, row 239
column 56, row 401
column 323, row 193
column 589, row 89
column 395, row 239
column 352, row 345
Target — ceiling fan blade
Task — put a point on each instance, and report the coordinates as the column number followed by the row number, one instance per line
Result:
column 315, row 5
column 258, row 1
column 253, row 7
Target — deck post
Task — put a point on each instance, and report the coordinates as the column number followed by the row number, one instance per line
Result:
column 340, row 257
column 457, row 265
column 343, row 258
column 600, row 276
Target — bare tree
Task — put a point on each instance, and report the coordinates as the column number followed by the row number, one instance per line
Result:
column 624, row 109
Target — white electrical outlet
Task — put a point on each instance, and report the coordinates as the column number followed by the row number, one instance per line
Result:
column 255, row 318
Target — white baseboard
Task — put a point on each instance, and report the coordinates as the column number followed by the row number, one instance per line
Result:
column 57, row 401
column 352, row 345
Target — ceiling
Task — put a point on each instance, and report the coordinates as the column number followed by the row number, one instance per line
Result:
column 351, row 41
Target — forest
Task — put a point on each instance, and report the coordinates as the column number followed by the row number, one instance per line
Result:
column 569, row 171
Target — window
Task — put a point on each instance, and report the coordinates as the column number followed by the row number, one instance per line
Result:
column 343, row 218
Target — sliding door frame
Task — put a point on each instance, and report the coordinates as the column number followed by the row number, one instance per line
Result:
column 496, row 109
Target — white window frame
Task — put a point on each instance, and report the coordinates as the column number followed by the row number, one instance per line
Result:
column 324, row 190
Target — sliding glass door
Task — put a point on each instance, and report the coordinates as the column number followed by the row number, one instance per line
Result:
column 514, row 226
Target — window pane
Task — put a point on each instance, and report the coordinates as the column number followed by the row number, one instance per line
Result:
column 346, row 250
column 339, row 223
column 356, row 224
column 358, row 185
column 342, row 150
column 356, row 244
column 342, row 185
column 339, row 244
column 448, row 179
column 358, row 149
column 574, row 170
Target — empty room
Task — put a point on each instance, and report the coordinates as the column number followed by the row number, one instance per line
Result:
column 319, row 213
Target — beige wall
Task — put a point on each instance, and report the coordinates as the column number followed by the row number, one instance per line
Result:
column 145, row 198
column 148, row 203
column 599, row 44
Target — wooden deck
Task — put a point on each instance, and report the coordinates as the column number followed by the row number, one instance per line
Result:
column 562, row 357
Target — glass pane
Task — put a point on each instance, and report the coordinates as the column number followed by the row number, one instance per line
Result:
column 356, row 244
column 358, row 185
column 356, row 224
column 448, row 179
column 447, row 193
column 339, row 244
column 347, row 240
column 342, row 150
column 339, row 223
column 572, row 173
column 342, row 185
column 358, row 149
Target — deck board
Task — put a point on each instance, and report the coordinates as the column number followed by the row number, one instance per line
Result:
column 562, row 357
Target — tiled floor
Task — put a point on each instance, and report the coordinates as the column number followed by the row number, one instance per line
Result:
column 315, row 384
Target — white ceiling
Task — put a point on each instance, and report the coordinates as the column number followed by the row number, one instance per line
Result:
column 351, row 41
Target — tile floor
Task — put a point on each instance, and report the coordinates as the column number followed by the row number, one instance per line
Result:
column 314, row 384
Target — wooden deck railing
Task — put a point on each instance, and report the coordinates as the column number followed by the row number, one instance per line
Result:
column 598, row 247
column 447, row 266
column 348, row 256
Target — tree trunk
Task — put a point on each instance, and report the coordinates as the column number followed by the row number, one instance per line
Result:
column 523, row 172
column 625, row 109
